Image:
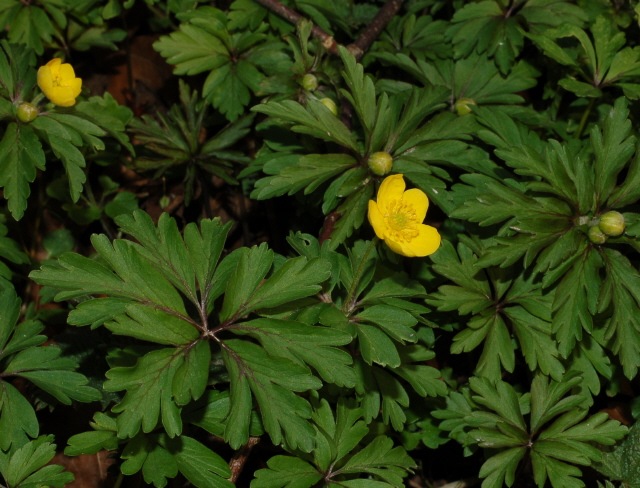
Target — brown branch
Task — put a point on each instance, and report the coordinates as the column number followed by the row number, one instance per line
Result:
column 360, row 45
column 328, row 42
column 373, row 30
column 238, row 461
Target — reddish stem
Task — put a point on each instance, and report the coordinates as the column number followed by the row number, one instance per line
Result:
column 238, row 461
column 328, row 42
column 373, row 30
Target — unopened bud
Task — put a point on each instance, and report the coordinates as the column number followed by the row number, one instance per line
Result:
column 464, row 106
column 26, row 112
column 596, row 235
column 309, row 82
column 380, row 163
column 330, row 104
column 612, row 223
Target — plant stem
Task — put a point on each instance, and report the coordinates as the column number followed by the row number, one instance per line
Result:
column 585, row 117
column 360, row 45
column 118, row 481
column 350, row 301
column 238, row 461
column 328, row 42
column 373, row 30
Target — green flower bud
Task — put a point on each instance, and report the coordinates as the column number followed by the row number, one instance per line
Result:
column 380, row 163
column 26, row 112
column 309, row 82
column 464, row 106
column 164, row 202
column 612, row 223
column 330, row 104
column 596, row 235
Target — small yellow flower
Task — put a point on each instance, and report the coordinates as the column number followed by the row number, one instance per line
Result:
column 58, row 82
column 397, row 218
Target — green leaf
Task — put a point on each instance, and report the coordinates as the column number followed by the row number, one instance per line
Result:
column 149, row 396
column 91, row 443
column 32, row 26
column 124, row 272
column 472, row 291
column 146, row 453
column 575, row 301
column 500, row 470
column 106, row 113
column 361, row 93
column 499, row 397
column 398, row 324
column 622, row 462
column 150, row 324
column 381, row 459
column 313, row 119
column 9, row 251
column 286, row 472
column 65, row 386
column 184, row 261
column 21, row 155
column 210, row 54
column 252, row 266
column 425, row 380
column 10, row 303
column 18, row 419
column 296, row 278
column 620, row 293
column 376, row 346
column 558, row 436
column 199, row 464
column 613, row 146
column 338, row 457
column 303, row 344
column 273, row 382
column 27, row 466
column 209, row 412
column 536, row 343
column 233, row 60
column 307, row 172
column 192, row 377
column 351, row 214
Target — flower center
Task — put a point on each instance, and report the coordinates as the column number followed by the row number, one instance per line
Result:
column 57, row 80
column 401, row 220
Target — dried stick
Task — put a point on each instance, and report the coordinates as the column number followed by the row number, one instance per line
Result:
column 373, row 30
column 360, row 45
column 239, row 459
column 328, row 42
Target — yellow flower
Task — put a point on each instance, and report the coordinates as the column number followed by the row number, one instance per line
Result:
column 397, row 219
column 58, row 82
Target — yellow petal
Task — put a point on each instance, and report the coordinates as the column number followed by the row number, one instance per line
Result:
column 427, row 242
column 45, row 78
column 62, row 96
column 418, row 201
column 67, row 74
column 391, row 188
column 76, row 86
column 398, row 248
column 376, row 219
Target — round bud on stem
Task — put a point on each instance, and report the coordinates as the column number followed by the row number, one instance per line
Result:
column 26, row 112
column 309, row 82
column 612, row 223
column 464, row 106
column 330, row 104
column 596, row 235
column 380, row 163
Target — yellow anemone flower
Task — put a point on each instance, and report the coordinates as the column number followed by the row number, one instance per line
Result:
column 397, row 216
column 58, row 82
